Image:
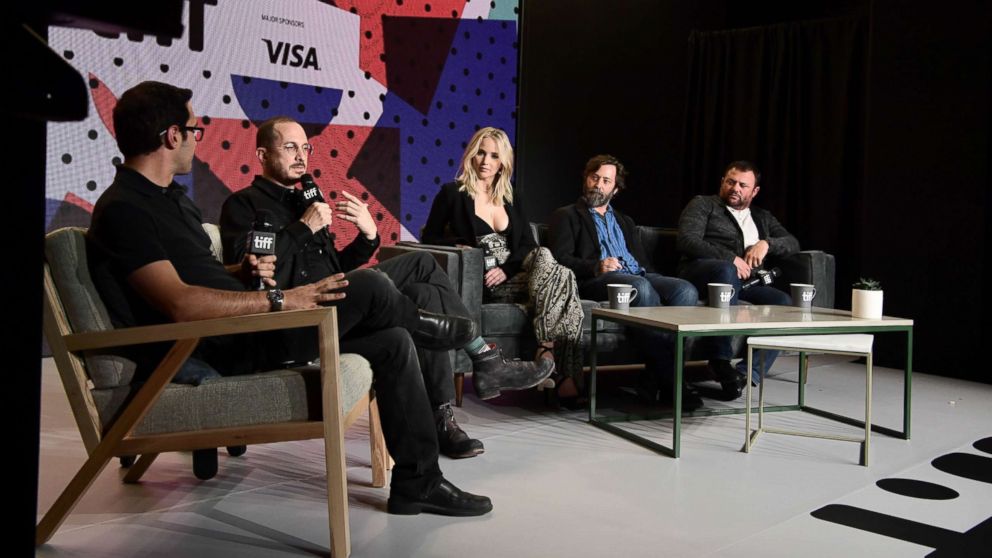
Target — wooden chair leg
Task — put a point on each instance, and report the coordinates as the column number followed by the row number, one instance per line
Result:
column 71, row 495
column 135, row 472
column 337, row 491
column 107, row 448
column 337, row 479
column 459, row 388
column 380, row 456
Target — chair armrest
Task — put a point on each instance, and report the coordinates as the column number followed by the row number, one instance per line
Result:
column 463, row 266
column 814, row 267
column 200, row 328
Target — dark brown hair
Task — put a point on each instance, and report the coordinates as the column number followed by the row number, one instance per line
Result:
column 744, row 166
column 592, row 165
column 144, row 111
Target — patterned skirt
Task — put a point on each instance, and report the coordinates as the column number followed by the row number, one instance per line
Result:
column 552, row 296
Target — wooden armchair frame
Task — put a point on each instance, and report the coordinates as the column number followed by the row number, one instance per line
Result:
column 103, row 444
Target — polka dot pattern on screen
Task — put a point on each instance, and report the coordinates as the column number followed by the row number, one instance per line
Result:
column 262, row 99
column 444, row 78
column 429, row 154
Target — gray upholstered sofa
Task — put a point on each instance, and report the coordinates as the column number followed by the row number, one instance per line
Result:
column 509, row 325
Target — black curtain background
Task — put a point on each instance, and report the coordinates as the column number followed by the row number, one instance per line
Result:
column 791, row 99
column 604, row 77
column 870, row 119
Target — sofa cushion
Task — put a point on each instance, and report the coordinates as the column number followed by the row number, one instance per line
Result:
column 601, row 326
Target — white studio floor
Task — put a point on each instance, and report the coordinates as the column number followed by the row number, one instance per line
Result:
column 561, row 487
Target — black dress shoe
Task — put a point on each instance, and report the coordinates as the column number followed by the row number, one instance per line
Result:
column 491, row 373
column 647, row 387
column 442, row 332
column 445, row 499
column 732, row 384
column 652, row 392
column 452, row 440
column 690, row 399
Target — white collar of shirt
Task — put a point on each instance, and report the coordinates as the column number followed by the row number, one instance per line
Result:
column 747, row 225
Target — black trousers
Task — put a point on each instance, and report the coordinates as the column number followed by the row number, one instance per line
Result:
column 373, row 321
column 418, row 276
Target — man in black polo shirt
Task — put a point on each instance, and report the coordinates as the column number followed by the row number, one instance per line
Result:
column 151, row 262
column 306, row 253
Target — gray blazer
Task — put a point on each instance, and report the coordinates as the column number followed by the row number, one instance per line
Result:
column 707, row 230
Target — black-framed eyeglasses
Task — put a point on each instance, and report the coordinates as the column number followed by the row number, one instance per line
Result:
column 197, row 131
column 292, row 148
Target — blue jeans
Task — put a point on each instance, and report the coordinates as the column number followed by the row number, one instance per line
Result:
column 653, row 289
column 194, row 371
column 701, row 272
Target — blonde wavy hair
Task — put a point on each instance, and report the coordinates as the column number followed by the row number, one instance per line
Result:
column 469, row 179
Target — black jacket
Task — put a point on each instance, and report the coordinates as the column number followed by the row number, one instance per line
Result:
column 301, row 256
column 450, row 223
column 575, row 242
column 708, row 230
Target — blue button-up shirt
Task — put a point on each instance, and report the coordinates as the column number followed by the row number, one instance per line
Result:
column 612, row 243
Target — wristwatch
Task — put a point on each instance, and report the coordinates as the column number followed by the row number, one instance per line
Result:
column 275, row 299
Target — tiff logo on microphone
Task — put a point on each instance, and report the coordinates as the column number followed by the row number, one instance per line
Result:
column 263, row 242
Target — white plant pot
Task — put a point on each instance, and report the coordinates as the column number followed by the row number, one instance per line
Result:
column 866, row 304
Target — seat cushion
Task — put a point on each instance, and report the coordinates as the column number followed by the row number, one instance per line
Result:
column 263, row 398
column 502, row 319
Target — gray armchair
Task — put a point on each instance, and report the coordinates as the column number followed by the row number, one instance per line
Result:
column 120, row 418
column 509, row 325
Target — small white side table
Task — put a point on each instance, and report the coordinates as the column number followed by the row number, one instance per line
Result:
column 854, row 345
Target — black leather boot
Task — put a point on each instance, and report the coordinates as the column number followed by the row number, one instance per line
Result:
column 441, row 332
column 491, row 373
column 452, row 440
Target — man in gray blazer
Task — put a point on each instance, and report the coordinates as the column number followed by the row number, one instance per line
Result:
column 724, row 239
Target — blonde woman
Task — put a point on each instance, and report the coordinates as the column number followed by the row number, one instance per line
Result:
column 481, row 209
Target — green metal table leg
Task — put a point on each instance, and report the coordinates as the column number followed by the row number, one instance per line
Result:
column 677, row 427
column 907, row 397
column 592, row 371
column 803, row 364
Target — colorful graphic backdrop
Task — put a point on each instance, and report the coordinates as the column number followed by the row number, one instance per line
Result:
column 388, row 90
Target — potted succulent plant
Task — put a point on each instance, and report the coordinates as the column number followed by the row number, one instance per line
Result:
column 866, row 299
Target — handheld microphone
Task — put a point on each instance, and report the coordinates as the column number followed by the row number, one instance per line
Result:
column 761, row 277
column 261, row 241
column 311, row 193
